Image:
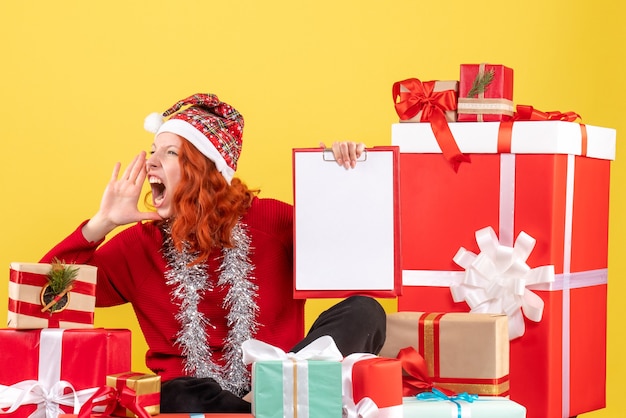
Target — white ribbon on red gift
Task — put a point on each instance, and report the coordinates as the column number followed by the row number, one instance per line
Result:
column 48, row 392
column 323, row 348
column 365, row 407
column 496, row 280
column 565, row 281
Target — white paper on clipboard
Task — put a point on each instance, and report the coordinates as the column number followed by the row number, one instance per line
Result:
column 345, row 222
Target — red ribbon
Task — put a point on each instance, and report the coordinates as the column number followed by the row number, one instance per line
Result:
column 54, row 319
column 416, row 379
column 529, row 113
column 421, row 97
column 111, row 398
column 433, row 105
column 34, row 279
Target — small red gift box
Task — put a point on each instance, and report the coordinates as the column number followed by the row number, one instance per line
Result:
column 58, row 369
column 550, row 182
column 28, row 303
column 485, row 93
column 371, row 382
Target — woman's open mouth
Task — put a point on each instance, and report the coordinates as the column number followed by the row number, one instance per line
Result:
column 158, row 190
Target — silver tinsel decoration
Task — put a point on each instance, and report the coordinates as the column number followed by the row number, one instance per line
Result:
column 240, row 302
column 189, row 283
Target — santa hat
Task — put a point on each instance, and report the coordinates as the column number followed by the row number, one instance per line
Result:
column 213, row 127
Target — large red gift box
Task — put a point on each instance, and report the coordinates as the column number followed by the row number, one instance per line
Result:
column 28, row 281
column 492, row 102
column 67, row 365
column 551, row 182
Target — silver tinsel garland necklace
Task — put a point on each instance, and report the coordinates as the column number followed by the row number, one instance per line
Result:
column 189, row 283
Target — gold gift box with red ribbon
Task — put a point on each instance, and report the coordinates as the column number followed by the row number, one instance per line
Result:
column 463, row 352
column 146, row 389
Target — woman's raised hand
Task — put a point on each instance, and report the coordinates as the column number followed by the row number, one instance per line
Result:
column 119, row 204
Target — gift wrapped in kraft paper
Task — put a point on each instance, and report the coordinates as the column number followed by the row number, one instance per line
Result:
column 435, row 103
column 463, row 352
column 51, row 295
column 415, row 101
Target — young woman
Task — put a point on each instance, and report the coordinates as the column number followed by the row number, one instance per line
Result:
column 211, row 266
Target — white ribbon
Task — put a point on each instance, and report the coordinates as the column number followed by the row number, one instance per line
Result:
column 324, row 348
column 48, row 391
column 366, row 407
column 496, row 280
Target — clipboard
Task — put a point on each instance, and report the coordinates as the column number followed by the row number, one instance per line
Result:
column 346, row 224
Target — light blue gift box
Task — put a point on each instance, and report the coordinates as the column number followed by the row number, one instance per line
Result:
column 296, row 388
column 478, row 407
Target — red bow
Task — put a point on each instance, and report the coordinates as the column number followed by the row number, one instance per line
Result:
column 416, row 380
column 111, row 398
column 421, row 97
column 433, row 105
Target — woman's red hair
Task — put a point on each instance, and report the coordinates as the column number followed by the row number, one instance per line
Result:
column 206, row 207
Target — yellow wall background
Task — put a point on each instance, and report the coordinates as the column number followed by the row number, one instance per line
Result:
column 79, row 77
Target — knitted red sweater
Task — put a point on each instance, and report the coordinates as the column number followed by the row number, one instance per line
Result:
column 131, row 269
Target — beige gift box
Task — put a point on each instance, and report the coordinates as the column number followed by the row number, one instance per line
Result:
column 27, row 283
column 439, row 85
column 464, row 352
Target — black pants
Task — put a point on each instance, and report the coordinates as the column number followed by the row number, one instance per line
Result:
column 357, row 324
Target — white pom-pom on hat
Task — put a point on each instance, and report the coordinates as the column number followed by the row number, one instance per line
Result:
column 153, row 122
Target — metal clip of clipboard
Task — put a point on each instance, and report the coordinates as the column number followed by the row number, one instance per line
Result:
column 328, row 155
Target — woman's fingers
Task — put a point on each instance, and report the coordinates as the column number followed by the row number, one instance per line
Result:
column 347, row 153
column 116, row 172
column 138, row 171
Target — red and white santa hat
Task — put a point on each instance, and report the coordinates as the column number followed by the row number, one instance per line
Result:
column 213, row 127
